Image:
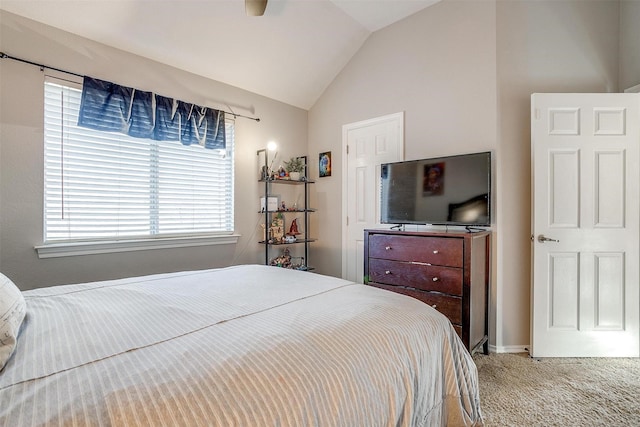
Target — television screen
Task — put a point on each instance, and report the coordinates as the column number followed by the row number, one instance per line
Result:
column 453, row 190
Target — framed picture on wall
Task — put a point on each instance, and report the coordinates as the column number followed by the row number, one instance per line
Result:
column 324, row 164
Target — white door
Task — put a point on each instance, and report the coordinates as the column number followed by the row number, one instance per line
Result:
column 585, row 162
column 366, row 145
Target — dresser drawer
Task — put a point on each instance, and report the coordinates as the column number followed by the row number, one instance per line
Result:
column 458, row 330
column 431, row 250
column 426, row 277
column 450, row 306
column 448, row 270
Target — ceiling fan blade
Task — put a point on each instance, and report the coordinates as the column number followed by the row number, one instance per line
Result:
column 255, row 7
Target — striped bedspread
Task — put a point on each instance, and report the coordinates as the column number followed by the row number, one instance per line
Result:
column 238, row 346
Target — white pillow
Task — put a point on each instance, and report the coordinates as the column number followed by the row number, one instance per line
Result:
column 12, row 311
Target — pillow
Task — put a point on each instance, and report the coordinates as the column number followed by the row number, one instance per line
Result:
column 12, row 311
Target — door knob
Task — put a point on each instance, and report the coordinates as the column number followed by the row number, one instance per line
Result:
column 542, row 238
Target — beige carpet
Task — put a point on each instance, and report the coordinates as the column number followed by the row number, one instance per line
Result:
column 516, row 390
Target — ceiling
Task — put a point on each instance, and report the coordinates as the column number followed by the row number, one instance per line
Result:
column 290, row 54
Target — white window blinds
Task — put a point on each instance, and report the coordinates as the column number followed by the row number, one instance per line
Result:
column 108, row 186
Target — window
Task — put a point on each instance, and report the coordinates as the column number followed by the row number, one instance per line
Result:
column 108, row 186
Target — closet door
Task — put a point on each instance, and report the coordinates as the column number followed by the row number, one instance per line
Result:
column 366, row 145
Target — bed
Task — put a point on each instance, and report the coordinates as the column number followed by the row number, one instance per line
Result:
column 239, row 346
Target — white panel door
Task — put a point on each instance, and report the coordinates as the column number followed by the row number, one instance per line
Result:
column 585, row 225
column 367, row 144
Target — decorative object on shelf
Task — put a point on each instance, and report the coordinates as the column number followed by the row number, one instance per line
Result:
column 282, row 173
column 301, row 266
column 295, row 167
column 285, row 260
column 266, row 170
column 324, row 164
column 272, row 204
column 293, row 230
column 293, row 208
column 276, row 229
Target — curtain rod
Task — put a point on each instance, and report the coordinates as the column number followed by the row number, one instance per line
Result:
column 42, row 66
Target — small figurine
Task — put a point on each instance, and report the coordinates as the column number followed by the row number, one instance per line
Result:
column 283, row 260
column 293, row 230
column 276, row 229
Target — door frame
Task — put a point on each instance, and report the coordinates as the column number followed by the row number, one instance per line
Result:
column 394, row 117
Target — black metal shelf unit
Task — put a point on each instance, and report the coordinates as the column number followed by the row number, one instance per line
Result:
column 268, row 217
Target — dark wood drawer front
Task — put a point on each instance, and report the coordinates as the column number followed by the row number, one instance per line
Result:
column 450, row 306
column 448, row 270
column 426, row 277
column 431, row 250
column 458, row 329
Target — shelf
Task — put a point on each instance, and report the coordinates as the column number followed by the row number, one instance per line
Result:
column 289, row 211
column 262, row 242
column 300, row 269
column 287, row 181
column 276, row 229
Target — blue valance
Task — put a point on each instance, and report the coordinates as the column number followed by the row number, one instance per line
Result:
column 109, row 107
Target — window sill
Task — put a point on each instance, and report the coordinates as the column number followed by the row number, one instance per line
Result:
column 55, row 250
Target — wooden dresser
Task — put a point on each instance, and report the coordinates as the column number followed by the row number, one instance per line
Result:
column 447, row 270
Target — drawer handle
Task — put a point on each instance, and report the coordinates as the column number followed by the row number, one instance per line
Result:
column 435, row 279
column 434, row 306
column 387, row 248
column 387, row 272
column 436, row 251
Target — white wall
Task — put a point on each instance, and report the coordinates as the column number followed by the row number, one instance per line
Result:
column 463, row 72
column 629, row 43
column 437, row 66
column 21, row 153
column 543, row 46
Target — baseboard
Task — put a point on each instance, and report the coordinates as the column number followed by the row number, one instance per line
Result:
column 509, row 349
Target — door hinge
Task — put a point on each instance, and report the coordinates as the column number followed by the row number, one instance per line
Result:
column 347, row 149
column 347, row 221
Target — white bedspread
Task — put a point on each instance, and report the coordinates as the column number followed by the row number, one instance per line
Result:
column 239, row 346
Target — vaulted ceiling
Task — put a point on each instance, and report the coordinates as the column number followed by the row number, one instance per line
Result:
column 290, row 54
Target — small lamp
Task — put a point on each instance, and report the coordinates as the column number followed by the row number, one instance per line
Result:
column 265, row 173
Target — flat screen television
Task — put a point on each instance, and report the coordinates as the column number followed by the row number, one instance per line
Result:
column 453, row 190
